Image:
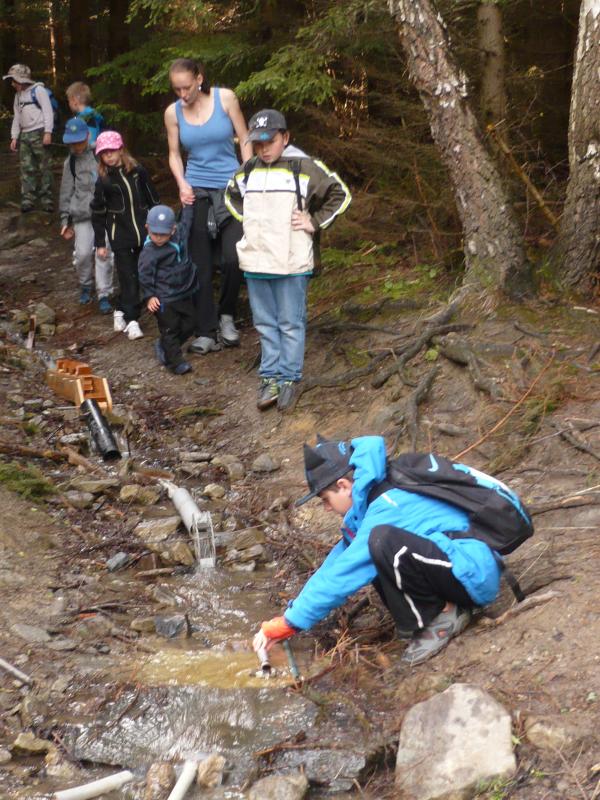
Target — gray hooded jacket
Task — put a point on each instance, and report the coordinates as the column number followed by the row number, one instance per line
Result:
column 76, row 193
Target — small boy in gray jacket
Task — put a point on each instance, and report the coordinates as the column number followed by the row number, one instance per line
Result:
column 169, row 283
column 76, row 192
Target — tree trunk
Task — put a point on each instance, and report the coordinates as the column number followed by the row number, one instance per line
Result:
column 494, row 254
column 118, row 29
column 491, row 43
column 8, row 48
column 578, row 245
column 79, row 38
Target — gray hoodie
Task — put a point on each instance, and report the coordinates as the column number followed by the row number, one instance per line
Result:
column 76, row 193
column 28, row 117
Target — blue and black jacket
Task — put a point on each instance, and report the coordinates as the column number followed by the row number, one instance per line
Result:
column 349, row 567
column 168, row 272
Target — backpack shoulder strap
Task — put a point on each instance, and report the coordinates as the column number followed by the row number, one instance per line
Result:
column 296, row 167
column 72, row 165
column 248, row 167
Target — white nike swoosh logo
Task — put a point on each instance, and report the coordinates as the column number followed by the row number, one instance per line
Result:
column 434, row 465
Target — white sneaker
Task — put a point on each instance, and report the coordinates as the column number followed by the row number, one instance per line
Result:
column 119, row 323
column 229, row 333
column 133, row 330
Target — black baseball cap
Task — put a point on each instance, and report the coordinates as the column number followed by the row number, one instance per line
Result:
column 324, row 465
column 264, row 125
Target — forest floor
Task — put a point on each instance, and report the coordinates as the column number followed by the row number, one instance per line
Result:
column 513, row 392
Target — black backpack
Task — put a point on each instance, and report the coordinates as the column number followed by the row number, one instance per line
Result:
column 496, row 515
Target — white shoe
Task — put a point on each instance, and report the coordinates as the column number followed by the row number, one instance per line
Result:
column 229, row 333
column 133, row 330
column 119, row 323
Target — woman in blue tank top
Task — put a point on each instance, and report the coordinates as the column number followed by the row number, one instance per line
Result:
column 203, row 123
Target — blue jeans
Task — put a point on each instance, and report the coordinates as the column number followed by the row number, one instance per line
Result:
column 279, row 315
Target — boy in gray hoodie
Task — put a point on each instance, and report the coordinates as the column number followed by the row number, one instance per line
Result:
column 76, row 193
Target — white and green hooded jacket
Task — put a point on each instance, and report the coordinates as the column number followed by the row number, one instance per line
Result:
column 263, row 197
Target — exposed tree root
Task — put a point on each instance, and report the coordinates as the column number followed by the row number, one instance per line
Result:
column 460, row 352
column 571, row 437
column 530, row 602
column 408, row 421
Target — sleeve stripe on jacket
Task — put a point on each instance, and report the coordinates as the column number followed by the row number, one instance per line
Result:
column 348, row 196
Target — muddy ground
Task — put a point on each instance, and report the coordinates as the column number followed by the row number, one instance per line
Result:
column 515, row 390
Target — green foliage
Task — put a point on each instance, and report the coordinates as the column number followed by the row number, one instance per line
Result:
column 26, row 481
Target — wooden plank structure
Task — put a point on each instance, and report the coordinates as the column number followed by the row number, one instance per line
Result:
column 74, row 381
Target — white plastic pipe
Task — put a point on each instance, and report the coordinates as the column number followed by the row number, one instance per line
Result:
column 188, row 773
column 96, row 788
column 185, row 505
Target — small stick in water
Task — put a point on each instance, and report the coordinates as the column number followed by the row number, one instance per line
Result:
column 292, row 662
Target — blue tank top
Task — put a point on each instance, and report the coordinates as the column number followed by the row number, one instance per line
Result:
column 211, row 153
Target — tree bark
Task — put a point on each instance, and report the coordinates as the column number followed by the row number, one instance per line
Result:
column 79, row 38
column 493, row 248
column 578, row 247
column 118, row 29
column 491, row 44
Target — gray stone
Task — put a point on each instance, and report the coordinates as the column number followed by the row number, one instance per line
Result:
column 214, row 491
column 280, row 503
column 44, row 315
column 451, row 742
column 191, row 468
column 195, row 455
column 143, row 624
column 79, row 500
column 151, row 531
column 210, row 771
column 93, row 485
column 248, row 538
column 117, row 561
column 5, row 756
column 247, row 566
column 265, row 463
column 144, row 495
column 170, row 626
column 33, row 405
column 27, row 744
column 160, row 779
column 30, row 633
column 280, row 787
column 62, row 644
column 181, row 553
column 74, row 438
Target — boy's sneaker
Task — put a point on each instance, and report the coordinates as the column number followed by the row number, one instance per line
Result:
column 104, row 305
column 268, row 392
column 287, row 395
column 160, row 352
column 228, row 332
column 85, row 296
column 181, row 369
column 204, row 345
column 119, row 323
column 133, row 330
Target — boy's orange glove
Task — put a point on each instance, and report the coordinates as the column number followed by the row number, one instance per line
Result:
column 277, row 629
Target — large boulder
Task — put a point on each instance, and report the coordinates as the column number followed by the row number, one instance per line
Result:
column 451, row 743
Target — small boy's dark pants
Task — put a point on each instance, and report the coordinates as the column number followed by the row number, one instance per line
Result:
column 128, row 300
column 203, row 250
column 177, row 321
column 415, row 577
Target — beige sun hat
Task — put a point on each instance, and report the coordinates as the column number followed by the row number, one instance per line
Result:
column 19, row 73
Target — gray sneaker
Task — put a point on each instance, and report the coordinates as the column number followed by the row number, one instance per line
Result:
column 204, row 345
column 268, row 392
column 228, row 332
column 287, row 395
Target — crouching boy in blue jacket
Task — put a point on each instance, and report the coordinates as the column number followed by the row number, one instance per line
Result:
column 396, row 540
column 169, row 283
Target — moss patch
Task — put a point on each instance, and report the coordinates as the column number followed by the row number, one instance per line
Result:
column 27, row 481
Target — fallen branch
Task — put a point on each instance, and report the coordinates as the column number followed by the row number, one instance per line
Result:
column 30, row 452
column 529, row 602
column 568, row 502
column 16, row 672
column 75, row 458
column 571, row 437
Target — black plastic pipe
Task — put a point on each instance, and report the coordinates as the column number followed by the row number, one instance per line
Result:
column 100, row 429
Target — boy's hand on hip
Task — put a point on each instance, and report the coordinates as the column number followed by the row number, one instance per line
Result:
column 102, row 252
column 67, row 233
column 13, row 145
column 153, row 305
column 47, row 139
column 301, row 221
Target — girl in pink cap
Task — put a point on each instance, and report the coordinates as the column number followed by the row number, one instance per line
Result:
column 122, row 198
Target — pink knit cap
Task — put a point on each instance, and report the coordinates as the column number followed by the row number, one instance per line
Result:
column 108, row 140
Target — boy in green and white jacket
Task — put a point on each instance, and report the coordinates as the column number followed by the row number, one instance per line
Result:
column 283, row 198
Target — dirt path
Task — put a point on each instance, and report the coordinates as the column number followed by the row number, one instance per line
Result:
column 540, row 663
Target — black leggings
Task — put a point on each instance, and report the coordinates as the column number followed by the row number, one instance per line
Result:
column 128, row 300
column 204, row 252
column 415, row 578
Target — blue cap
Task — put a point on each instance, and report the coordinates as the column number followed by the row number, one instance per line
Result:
column 76, row 130
column 161, row 219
